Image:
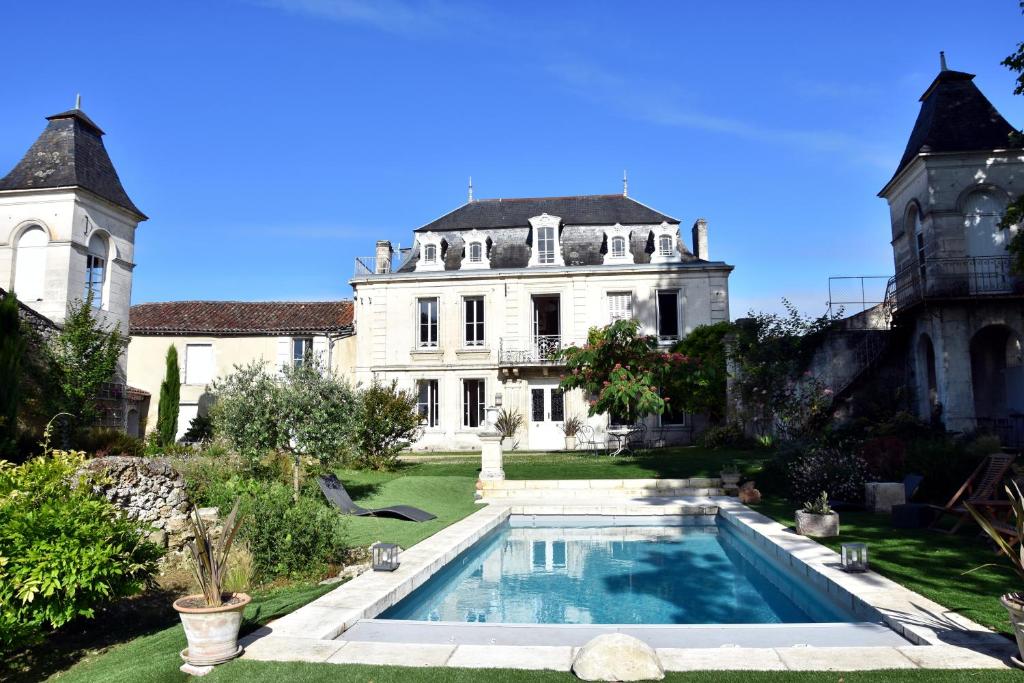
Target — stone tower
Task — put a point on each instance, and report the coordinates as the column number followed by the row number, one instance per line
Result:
column 953, row 295
column 67, row 226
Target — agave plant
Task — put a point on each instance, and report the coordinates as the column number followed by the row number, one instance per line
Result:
column 1016, row 557
column 572, row 425
column 508, row 422
column 210, row 561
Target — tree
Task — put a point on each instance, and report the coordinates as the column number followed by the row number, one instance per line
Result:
column 170, row 393
column 623, row 372
column 388, row 422
column 12, row 352
column 84, row 355
column 1014, row 215
column 705, row 346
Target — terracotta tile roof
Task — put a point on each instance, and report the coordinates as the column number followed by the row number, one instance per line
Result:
column 239, row 318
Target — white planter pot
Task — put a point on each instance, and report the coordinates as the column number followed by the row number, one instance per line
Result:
column 212, row 632
column 730, row 480
column 817, row 526
column 1014, row 604
column 570, row 443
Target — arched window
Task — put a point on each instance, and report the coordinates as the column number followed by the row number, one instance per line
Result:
column 476, row 252
column 665, row 245
column 95, row 270
column 916, row 230
column 430, row 253
column 618, row 246
column 30, row 264
column 982, row 213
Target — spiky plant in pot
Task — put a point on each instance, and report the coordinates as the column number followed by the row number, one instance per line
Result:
column 212, row 618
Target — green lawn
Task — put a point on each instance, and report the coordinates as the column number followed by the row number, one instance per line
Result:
column 928, row 562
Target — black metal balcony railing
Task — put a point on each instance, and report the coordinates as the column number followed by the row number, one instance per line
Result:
column 531, row 350
column 1010, row 430
column 951, row 278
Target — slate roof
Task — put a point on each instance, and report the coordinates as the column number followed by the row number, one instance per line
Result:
column 600, row 209
column 956, row 117
column 70, row 153
column 241, row 318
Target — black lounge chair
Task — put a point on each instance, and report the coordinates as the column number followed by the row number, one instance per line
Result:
column 335, row 492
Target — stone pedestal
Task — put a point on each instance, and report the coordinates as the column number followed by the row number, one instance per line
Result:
column 491, row 457
column 880, row 496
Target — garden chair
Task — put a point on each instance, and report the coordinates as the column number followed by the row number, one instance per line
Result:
column 335, row 492
column 587, row 438
column 637, row 438
column 981, row 490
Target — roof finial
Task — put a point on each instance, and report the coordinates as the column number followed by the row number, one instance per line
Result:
column 625, row 184
column 942, row 60
column 78, row 100
column 470, row 200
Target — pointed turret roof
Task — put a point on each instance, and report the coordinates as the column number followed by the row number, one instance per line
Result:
column 70, row 153
column 955, row 117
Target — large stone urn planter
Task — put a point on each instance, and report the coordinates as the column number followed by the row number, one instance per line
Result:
column 212, row 632
column 570, row 443
column 1014, row 604
column 817, row 526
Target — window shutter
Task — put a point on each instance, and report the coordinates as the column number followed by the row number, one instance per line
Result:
column 284, row 353
column 320, row 351
column 620, row 306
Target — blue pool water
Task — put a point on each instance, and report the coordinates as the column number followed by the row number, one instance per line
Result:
column 694, row 574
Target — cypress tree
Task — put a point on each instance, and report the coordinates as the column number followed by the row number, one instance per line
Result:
column 170, row 390
column 12, row 351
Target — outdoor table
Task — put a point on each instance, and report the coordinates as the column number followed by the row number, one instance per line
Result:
column 621, row 435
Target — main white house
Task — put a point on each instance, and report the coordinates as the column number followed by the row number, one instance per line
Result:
column 472, row 314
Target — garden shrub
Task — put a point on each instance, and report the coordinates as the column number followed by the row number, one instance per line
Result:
column 63, row 550
column 729, row 435
column 802, row 470
column 104, row 441
column 387, row 423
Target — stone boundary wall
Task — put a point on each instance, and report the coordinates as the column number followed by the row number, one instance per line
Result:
column 148, row 490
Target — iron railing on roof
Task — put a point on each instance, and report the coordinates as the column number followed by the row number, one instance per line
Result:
column 952, row 278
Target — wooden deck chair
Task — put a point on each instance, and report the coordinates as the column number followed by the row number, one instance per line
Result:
column 980, row 488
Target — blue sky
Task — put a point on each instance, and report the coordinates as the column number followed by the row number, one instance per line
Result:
column 271, row 141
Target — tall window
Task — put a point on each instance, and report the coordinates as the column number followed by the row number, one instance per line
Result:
column 915, row 222
column 476, row 252
column 302, row 347
column 430, row 253
column 665, row 245
column 618, row 246
column 546, row 245
column 473, row 402
column 428, row 322
column 30, row 264
column 95, row 270
column 426, row 403
column 474, row 313
column 620, row 306
column 668, row 313
column 198, row 363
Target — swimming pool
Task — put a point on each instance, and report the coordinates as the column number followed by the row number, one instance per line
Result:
column 579, row 570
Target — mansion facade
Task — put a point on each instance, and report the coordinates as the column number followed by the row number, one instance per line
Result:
column 474, row 314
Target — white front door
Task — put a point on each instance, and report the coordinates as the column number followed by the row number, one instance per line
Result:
column 546, row 413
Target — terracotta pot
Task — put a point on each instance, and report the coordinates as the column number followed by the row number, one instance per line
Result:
column 1014, row 604
column 817, row 526
column 212, row 632
column 570, row 443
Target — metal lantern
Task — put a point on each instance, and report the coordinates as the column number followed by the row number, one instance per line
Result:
column 385, row 557
column 855, row 557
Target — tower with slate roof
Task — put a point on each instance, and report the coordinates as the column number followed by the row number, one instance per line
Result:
column 67, row 226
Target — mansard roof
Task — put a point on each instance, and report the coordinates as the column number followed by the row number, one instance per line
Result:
column 70, row 153
column 241, row 318
column 956, row 117
column 601, row 209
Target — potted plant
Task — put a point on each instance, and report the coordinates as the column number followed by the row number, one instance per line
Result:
column 571, row 426
column 212, row 618
column 508, row 423
column 1013, row 602
column 817, row 519
column 730, row 476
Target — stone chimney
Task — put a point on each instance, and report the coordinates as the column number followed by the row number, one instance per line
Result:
column 384, row 252
column 700, row 239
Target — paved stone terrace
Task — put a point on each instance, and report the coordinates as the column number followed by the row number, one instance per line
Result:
column 945, row 640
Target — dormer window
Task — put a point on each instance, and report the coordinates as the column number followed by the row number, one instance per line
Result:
column 618, row 245
column 475, row 254
column 547, row 247
column 666, row 244
column 431, row 252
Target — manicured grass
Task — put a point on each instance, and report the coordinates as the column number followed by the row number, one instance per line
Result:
column 933, row 564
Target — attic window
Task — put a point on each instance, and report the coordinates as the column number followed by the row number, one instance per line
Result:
column 476, row 252
column 546, row 245
column 665, row 245
column 666, row 241
column 618, row 247
column 430, row 253
column 547, row 250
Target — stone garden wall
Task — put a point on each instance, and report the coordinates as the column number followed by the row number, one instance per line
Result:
column 148, row 490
